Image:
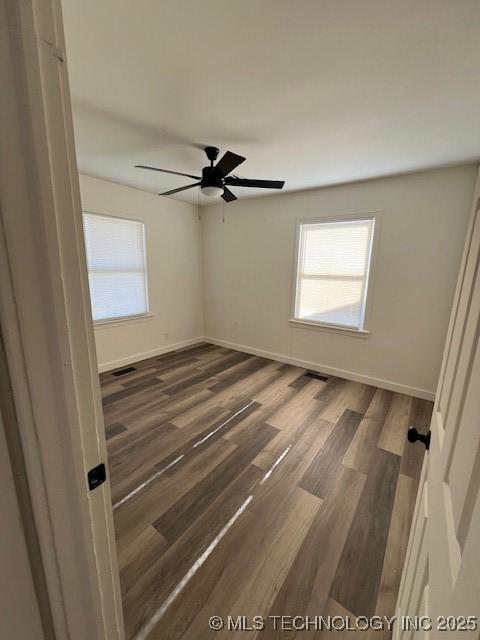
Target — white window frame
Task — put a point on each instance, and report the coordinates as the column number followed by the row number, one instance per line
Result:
column 106, row 322
column 364, row 331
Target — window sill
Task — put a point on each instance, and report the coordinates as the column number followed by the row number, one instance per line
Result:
column 317, row 326
column 105, row 324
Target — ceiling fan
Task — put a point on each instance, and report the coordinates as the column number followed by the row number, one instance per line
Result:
column 215, row 180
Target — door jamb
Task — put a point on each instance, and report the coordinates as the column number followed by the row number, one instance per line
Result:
column 46, row 324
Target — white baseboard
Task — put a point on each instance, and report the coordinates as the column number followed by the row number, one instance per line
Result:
column 316, row 366
column 305, row 364
column 136, row 357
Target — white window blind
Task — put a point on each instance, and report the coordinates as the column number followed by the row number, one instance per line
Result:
column 332, row 272
column 116, row 266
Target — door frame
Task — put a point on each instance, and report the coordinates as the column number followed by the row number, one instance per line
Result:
column 45, row 321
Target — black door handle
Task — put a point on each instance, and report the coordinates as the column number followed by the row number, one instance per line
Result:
column 413, row 436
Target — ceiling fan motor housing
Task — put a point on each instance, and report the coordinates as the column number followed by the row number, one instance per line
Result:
column 211, row 178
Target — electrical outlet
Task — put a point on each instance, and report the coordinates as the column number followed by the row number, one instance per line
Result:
column 165, row 336
column 236, row 325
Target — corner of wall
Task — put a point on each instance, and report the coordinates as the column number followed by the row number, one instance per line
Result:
column 198, row 210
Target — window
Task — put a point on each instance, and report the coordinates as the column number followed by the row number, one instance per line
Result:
column 116, row 266
column 332, row 271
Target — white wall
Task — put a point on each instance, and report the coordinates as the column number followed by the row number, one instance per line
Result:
column 174, row 262
column 248, row 273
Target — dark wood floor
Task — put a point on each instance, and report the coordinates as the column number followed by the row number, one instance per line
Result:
column 242, row 487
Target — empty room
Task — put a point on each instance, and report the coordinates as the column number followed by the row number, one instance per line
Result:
column 240, row 315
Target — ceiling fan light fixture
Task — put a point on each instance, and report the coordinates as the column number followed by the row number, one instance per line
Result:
column 212, row 191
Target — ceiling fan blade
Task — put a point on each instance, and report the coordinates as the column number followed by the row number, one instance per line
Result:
column 228, row 162
column 169, row 193
column 228, row 196
column 175, row 173
column 259, row 184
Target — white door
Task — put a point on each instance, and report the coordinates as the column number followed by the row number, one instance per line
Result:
column 441, row 578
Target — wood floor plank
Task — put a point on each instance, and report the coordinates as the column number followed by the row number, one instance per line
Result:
column 175, row 368
column 161, row 578
column 136, row 558
column 237, row 392
column 270, row 393
column 181, row 514
column 132, row 441
column 247, row 583
column 336, row 396
column 272, row 397
column 197, row 376
column 213, row 430
column 308, row 436
column 110, row 387
column 185, row 608
column 227, row 361
column 128, row 392
column 137, row 404
column 128, row 471
column 143, row 452
column 162, row 370
column 395, row 427
column 160, row 444
column 310, row 439
column 360, row 397
column 361, row 451
column 330, row 389
column 364, row 550
column 138, row 401
column 186, row 383
column 236, row 373
column 323, row 469
column 274, row 409
column 190, row 400
column 300, row 382
column 164, row 408
column 134, row 516
column 299, row 407
column 396, row 549
column 212, row 356
column 202, row 413
column 114, row 429
column 307, row 585
column 379, row 407
column 261, row 416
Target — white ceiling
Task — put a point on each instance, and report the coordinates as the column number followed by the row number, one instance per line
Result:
column 315, row 92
